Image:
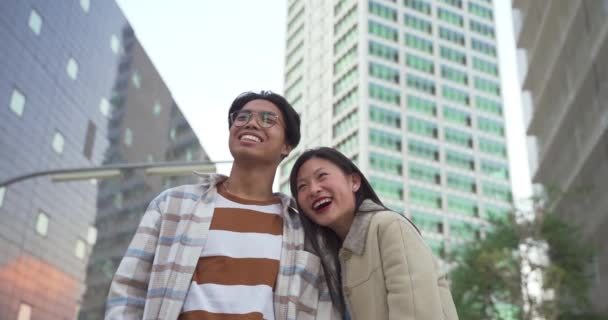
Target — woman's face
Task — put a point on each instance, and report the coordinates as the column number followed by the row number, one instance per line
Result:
column 327, row 195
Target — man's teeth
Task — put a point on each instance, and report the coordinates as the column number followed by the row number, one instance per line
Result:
column 320, row 203
column 250, row 137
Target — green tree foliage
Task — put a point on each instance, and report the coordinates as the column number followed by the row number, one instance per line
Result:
column 496, row 277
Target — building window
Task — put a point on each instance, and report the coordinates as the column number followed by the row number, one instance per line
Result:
column 461, row 182
column 450, row 17
column 157, row 108
column 118, row 199
column 421, row 84
column 383, row 31
column 58, row 142
column 114, row 43
column 17, row 102
column 91, row 235
column 455, row 75
column 418, row 23
column 383, row 72
column 387, row 188
column 463, row 205
column 458, row 137
column 89, row 140
column 423, row 150
column 418, row 43
column 128, row 137
column 424, row 173
column 80, row 249
column 104, row 107
column 456, row 116
column 422, row 127
column 382, row 11
column 428, row 222
column 42, row 223
column 453, row 55
column 419, row 63
column 35, row 22
column 136, row 79
column 72, row 69
column 150, row 158
column 385, row 140
column 460, row 160
column 387, row 95
column 383, row 51
column 386, row 164
column 422, row 106
column 172, row 133
column 25, row 312
column 425, row 197
column 384, row 116
column 346, row 124
column 85, row 5
column 418, row 5
column 2, row 193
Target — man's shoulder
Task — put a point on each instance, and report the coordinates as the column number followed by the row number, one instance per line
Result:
column 183, row 193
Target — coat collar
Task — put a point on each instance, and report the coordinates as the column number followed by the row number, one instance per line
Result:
column 355, row 239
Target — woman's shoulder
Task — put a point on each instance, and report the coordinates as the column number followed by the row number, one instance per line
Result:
column 387, row 218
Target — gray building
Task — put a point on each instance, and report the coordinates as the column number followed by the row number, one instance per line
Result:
column 411, row 91
column 76, row 90
column 564, row 67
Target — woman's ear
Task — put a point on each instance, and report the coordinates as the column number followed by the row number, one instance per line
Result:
column 355, row 181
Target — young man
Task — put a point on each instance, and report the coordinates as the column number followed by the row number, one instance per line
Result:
column 227, row 248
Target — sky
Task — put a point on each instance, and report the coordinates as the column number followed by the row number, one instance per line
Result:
column 210, row 51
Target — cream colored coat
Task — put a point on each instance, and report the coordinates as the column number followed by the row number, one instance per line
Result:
column 388, row 272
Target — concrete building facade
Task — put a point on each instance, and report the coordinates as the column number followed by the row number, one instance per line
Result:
column 564, row 68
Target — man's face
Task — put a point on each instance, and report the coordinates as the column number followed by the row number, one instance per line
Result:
column 252, row 141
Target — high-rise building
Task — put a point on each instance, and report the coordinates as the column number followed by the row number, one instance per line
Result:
column 76, row 90
column 411, row 91
column 564, row 69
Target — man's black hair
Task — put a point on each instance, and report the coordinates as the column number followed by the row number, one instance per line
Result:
column 289, row 116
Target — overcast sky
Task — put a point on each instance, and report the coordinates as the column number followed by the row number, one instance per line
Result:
column 210, row 51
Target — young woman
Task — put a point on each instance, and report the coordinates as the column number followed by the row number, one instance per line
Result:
column 376, row 263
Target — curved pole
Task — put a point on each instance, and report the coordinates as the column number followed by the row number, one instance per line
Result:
column 113, row 167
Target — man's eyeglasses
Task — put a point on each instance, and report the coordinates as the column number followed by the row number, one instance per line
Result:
column 264, row 119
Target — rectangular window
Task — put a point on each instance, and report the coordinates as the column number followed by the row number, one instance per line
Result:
column 488, row 105
column 460, row 160
column 455, row 3
column 295, row 35
column 483, row 47
column 387, row 95
column 458, row 137
column 418, row 23
column 42, row 223
column 386, row 164
column 385, row 140
column 346, row 21
column 421, row 105
column 58, row 142
column 387, row 188
column 383, row 31
column 347, row 101
column 382, row 11
column 461, row 229
column 423, row 150
column 383, row 72
column 80, row 249
column 491, row 147
column 463, row 205
column 424, row 173
column 456, row 116
column 481, row 28
column 451, row 35
column 425, row 197
column 427, row 221
column 496, row 191
column 496, row 213
column 2, row 193
column 455, row 75
column 418, row 5
column 35, row 22
column 461, row 182
column 349, row 145
column 384, row 52
column 419, row 63
column 491, row 126
column 17, row 103
column 89, row 140
column 480, row 11
column 485, row 66
column 385, row 117
column 450, row 17
column 453, row 55
column 422, row 127
column 91, row 235
column 488, row 86
column 421, row 84
column 348, row 79
column 346, row 124
column 418, row 43
column 349, row 37
column 345, row 61
column 456, row 95
column 494, row 169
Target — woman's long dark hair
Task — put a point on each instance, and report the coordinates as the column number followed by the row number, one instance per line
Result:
column 323, row 240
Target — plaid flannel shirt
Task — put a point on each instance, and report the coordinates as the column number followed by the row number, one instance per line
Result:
column 153, row 277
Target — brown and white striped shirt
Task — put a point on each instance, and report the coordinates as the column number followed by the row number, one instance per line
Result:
column 237, row 270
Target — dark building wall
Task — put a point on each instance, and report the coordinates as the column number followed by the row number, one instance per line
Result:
column 43, row 266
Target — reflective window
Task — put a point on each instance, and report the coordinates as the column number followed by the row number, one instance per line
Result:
column 136, row 79
column 91, row 235
column 418, row 23
column 419, row 63
column 382, row 11
column 454, row 115
column 383, row 51
column 422, row 127
column 424, row 173
column 58, row 142
column 104, row 107
column 387, row 188
column 419, row 43
column 385, row 139
column 450, row 17
column 385, row 117
column 35, row 22
column 172, row 133
column 80, row 249
column 463, row 205
column 17, row 102
column 458, row 137
column 385, row 94
column 114, row 43
column 42, row 223
column 425, row 197
column 385, row 163
column 423, row 150
column 379, row 71
column 157, row 108
column 383, row 31
column 418, row 5
column 427, row 221
column 118, row 199
column 89, row 140
column 421, row 105
column 128, row 137
column 460, row 160
column 2, row 193
column 346, row 124
column 85, row 5
column 72, row 68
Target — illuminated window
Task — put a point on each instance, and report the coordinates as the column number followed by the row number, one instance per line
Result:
column 35, row 22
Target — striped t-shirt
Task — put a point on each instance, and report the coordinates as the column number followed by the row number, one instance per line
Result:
column 237, row 270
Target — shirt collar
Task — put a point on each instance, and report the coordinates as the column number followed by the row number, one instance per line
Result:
column 355, row 239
